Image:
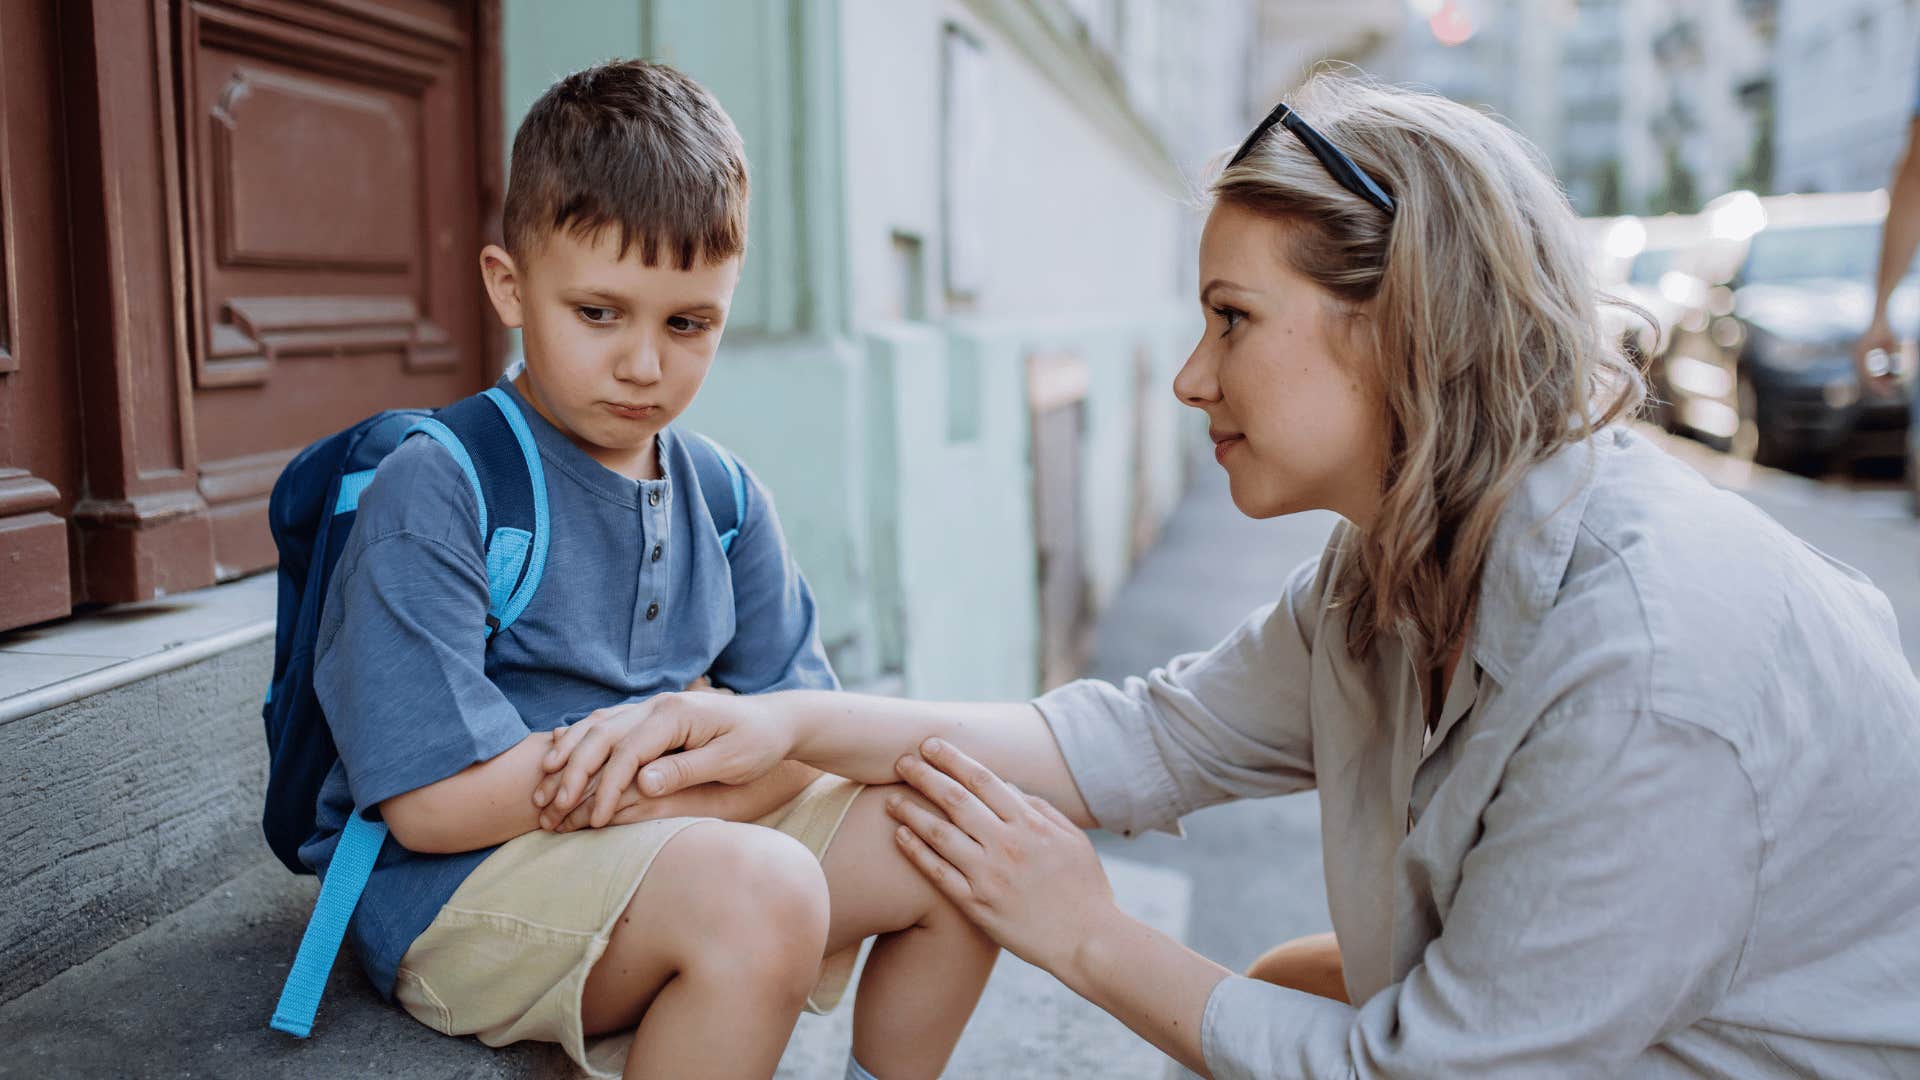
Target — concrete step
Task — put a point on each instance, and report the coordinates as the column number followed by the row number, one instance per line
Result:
column 190, row 996
column 125, row 806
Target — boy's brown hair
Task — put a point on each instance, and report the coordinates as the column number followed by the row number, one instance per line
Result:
column 634, row 145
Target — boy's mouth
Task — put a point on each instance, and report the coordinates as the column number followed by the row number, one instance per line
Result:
column 633, row 412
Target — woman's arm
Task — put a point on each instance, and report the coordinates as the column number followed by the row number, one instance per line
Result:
column 1031, row 879
column 735, row 740
column 486, row 804
column 864, row 738
column 1233, row 722
column 1147, row 981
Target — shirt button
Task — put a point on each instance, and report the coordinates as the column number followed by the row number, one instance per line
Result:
column 653, row 497
column 656, row 553
column 653, row 611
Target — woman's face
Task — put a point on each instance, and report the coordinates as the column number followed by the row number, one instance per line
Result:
column 1293, row 419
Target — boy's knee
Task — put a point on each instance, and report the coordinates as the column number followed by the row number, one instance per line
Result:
column 762, row 900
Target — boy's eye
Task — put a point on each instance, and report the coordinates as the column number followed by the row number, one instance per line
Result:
column 686, row 324
column 598, row 316
column 1231, row 316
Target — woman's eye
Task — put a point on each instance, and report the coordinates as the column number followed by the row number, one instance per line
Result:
column 682, row 324
column 1231, row 316
column 598, row 316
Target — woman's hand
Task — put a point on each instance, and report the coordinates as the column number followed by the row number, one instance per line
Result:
column 723, row 737
column 630, row 808
column 1011, row 862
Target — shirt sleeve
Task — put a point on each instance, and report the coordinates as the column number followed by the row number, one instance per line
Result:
column 1229, row 723
column 400, row 657
column 1604, row 907
column 776, row 636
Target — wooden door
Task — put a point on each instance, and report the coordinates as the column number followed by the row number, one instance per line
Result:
column 227, row 227
column 39, row 456
column 333, row 207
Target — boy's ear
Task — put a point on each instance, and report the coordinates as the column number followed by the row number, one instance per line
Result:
column 502, row 278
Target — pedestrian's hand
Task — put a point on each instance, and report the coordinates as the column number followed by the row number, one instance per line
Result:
column 704, row 684
column 1009, row 861
column 721, row 737
column 1876, row 357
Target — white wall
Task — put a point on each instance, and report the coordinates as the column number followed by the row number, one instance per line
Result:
column 1846, row 79
column 1072, row 223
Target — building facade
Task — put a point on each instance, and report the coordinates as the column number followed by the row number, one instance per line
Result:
column 1641, row 105
column 232, row 227
column 1848, row 86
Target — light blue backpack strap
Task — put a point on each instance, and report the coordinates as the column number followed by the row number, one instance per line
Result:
column 444, row 435
column 346, row 876
column 536, row 559
column 739, row 493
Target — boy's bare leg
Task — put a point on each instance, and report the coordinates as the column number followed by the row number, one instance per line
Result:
column 1310, row 963
column 927, row 969
column 713, row 959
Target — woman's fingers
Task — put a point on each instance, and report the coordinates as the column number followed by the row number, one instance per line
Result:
column 566, row 738
column 958, row 802
column 619, row 774
column 959, row 850
column 997, row 794
column 552, row 818
column 1051, row 812
column 582, row 815
column 562, row 741
column 584, row 762
column 951, row 883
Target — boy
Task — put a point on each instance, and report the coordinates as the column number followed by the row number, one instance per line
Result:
column 683, row 938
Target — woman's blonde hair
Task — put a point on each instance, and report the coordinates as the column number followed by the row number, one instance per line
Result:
column 1474, row 307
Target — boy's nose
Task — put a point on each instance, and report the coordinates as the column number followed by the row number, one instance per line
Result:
column 640, row 363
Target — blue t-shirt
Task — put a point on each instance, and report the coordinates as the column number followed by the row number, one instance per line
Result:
column 638, row 598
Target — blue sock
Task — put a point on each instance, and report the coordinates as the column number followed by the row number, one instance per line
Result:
column 855, row 1072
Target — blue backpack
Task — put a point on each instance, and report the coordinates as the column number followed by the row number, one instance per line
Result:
column 312, row 510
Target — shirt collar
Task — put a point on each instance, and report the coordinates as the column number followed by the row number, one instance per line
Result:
column 1532, row 545
column 559, row 450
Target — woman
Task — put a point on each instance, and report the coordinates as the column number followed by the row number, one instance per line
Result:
column 1616, row 776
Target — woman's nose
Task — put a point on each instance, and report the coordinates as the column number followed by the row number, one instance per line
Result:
column 1197, row 383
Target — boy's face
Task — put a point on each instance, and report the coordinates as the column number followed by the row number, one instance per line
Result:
column 615, row 349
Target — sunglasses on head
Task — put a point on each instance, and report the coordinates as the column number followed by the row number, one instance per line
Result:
column 1351, row 176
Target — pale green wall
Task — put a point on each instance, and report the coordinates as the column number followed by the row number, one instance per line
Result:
column 918, row 544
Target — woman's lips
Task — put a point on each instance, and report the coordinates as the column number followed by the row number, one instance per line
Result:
column 633, row 412
column 1221, row 446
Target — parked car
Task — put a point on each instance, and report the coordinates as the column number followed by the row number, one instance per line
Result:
column 1634, row 257
column 1773, row 299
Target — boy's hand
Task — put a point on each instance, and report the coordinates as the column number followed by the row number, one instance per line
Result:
column 725, row 738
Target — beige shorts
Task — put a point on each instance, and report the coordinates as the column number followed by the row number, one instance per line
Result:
column 507, row 958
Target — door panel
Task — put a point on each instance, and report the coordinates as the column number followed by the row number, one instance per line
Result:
column 1057, row 402
column 333, row 180
column 39, row 470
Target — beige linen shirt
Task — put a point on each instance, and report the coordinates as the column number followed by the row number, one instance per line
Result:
column 1667, row 825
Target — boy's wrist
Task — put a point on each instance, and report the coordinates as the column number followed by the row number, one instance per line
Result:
column 794, row 722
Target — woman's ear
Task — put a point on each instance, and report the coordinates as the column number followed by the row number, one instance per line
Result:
column 502, row 278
